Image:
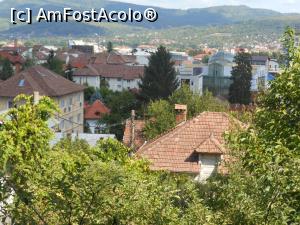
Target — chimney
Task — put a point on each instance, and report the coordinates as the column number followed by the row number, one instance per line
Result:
column 36, row 97
column 132, row 136
column 181, row 113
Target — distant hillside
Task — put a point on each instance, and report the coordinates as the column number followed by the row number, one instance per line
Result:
column 168, row 18
column 53, row 29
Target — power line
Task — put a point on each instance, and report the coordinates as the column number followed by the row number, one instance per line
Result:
column 79, row 124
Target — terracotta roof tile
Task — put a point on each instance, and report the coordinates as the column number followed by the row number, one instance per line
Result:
column 38, row 78
column 113, row 58
column 178, row 150
column 111, row 71
column 13, row 58
column 95, row 111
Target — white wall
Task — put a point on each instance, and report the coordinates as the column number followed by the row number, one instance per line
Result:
column 115, row 84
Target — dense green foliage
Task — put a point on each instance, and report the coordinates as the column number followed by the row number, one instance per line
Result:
column 73, row 183
column 161, row 113
column 120, row 104
column 54, row 64
column 159, row 80
column 241, row 75
column 109, row 46
column 263, row 184
column 7, row 69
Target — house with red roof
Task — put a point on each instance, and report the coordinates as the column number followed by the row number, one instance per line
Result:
column 195, row 147
column 93, row 113
column 37, row 79
column 120, row 72
column 14, row 58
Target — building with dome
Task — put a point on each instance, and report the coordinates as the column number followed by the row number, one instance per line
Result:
column 217, row 80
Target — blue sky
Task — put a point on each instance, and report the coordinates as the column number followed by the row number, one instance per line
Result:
column 278, row 5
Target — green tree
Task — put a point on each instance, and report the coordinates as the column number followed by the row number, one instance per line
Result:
column 159, row 80
column 7, row 69
column 265, row 172
column 54, row 64
column 109, row 47
column 88, row 92
column 205, row 59
column 288, row 42
column 161, row 118
column 73, row 183
column 28, row 63
column 69, row 72
column 241, row 75
column 120, row 104
column 24, row 140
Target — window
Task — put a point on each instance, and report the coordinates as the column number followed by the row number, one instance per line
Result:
column 79, row 118
column 21, row 83
column 62, row 103
column 10, row 104
column 119, row 79
column 70, row 101
column 78, row 97
column 128, row 81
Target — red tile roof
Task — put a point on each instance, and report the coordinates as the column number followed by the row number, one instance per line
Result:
column 111, row 71
column 113, row 58
column 13, row 58
column 178, row 150
column 38, row 78
column 95, row 111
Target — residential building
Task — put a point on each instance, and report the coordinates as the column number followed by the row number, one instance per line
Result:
column 119, row 72
column 14, row 58
column 93, row 113
column 68, row 95
column 190, row 73
column 194, row 147
column 217, row 79
column 264, row 70
column 84, row 48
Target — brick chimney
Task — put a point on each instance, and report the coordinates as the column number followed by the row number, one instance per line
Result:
column 181, row 113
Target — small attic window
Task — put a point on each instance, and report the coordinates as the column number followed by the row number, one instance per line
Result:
column 21, row 83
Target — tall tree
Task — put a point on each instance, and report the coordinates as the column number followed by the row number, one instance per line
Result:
column 265, row 172
column 54, row 64
column 109, row 47
column 288, row 43
column 159, row 80
column 7, row 70
column 162, row 116
column 69, row 72
column 239, row 91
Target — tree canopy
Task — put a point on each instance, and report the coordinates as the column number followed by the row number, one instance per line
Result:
column 7, row 69
column 159, row 80
column 241, row 75
column 162, row 116
column 263, row 184
column 73, row 183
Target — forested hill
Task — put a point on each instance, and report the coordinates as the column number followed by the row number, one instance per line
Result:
column 168, row 18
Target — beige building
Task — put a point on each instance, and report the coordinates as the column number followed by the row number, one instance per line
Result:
column 43, row 82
